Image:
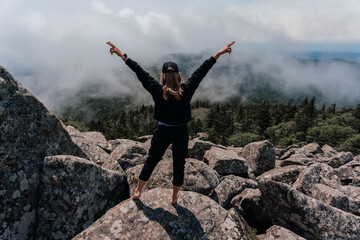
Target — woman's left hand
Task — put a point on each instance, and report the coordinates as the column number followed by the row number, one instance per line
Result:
column 114, row 49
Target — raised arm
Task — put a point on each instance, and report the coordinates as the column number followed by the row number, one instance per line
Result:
column 148, row 82
column 201, row 72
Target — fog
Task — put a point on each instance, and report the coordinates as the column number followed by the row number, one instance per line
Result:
column 56, row 49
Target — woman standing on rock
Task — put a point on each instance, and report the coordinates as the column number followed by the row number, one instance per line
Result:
column 172, row 111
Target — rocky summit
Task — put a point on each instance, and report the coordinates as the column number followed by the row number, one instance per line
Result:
column 60, row 183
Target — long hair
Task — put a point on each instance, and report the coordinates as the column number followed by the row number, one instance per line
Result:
column 171, row 84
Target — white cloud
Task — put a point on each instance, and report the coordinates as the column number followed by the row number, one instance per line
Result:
column 101, row 8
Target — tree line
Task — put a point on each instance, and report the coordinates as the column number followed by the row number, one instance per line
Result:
column 236, row 123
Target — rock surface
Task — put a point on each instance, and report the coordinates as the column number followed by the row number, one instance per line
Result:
column 260, row 156
column 226, row 162
column 153, row 217
column 128, row 154
column 229, row 187
column 197, row 148
column 277, row 232
column 287, row 174
column 28, row 133
column 74, row 193
column 199, row 177
column 92, row 143
column 307, row 216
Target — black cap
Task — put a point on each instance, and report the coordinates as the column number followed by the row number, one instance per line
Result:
column 172, row 65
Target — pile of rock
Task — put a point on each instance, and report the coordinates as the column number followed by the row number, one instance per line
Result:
column 60, row 183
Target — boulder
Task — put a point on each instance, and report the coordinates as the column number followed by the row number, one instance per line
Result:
column 197, row 148
column 251, row 206
column 112, row 144
column 92, row 143
column 306, row 216
column 229, row 187
column 311, row 149
column 297, row 159
column 353, row 194
column 348, row 172
column 330, row 196
column 316, row 173
column 238, row 150
column 328, row 151
column 286, row 152
column 128, row 154
column 287, row 174
column 153, row 217
column 277, row 232
column 340, row 159
column 74, row 193
column 226, row 162
column 28, row 133
column 260, row 157
column 199, row 177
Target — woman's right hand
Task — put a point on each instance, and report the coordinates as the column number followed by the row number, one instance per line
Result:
column 226, row 49
column 114, row 49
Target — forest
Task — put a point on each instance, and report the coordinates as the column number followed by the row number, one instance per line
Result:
column 235, row 123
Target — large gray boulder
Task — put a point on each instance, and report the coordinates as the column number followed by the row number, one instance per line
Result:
column 198, row 176
column 348, row 172
column 28, row 133
column 226, row 162
column 328, row 151
column 74, row 193
column 306, row 216
column 353, row 194
column 153, row 217
column 92, row 143
column 126, row 155
column 277, row 232
column 287, row 174
column 316, row 173
column 340, row 159
column 331, row 196
column 260, row 156
column 197, row 148
column 229, row 187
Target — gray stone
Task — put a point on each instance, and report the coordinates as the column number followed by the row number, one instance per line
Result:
column 260, row 157
column 197, row 148
column 353, row 193
column 75, row 192
column 92, row 143
column 340, row 159
column 226, row 162
column 128, row 154
column 306, row 216
column 238, row 150
column 287, row 174
column 316, row 173
column 297, row 159
column 198, row 176
column 348, row 171
column 153, row 217
column 28, row 133
column 311, row 149
column 328, row 151
column 229, row 187
column 288, row 150
column 277, row 232
column 330, row 196
column 112, row 144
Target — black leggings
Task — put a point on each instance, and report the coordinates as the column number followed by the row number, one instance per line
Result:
column 164, row 136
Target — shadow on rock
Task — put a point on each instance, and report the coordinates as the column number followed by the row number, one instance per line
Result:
column 182, row 226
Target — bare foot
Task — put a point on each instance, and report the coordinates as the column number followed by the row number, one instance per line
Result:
column 137, row 195
column 174, row 199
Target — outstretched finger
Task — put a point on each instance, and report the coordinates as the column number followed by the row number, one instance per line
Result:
column 110, row 44
column 231, row 43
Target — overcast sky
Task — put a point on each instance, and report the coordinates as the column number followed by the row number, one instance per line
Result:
column 62, row 43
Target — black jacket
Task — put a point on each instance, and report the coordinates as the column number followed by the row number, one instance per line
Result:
column 172, row 111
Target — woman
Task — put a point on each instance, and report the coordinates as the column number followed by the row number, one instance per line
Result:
column 172, row 111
